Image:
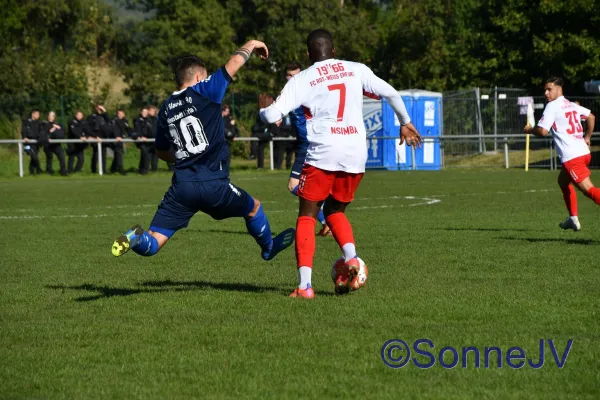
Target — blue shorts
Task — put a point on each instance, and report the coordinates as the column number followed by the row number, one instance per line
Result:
column 300, row 157
column 218, row 198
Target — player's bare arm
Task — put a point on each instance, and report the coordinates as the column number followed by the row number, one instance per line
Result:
column 410, row 134
column 590, row 122
column 242, row 55
column 537, row 131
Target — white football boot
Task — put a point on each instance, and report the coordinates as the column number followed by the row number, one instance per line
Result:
column 571, row 223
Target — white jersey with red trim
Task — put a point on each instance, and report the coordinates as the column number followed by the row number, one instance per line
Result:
column 563, row 119
column 331, row 94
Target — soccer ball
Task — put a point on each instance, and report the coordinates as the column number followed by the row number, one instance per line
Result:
column 358, row 281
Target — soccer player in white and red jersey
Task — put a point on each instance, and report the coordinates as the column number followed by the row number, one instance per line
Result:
column 563, row 118
column 331, row 94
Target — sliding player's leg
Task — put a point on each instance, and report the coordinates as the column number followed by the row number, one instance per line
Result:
column 222, row 199
column 314, row 187
column 172, row 214
column 570, row 198
column 342, row 194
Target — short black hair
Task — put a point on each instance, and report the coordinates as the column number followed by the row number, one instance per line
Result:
column 294, row 65
column 319, row 42
column 120, row 109
column 143, row 108
column 183, row 67
column 35, row 110
column 557, row 80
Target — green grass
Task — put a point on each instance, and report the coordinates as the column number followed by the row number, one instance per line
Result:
column 207, row 318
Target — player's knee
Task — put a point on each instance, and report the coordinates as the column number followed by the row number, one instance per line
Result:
column 292, row 185
column 257, row 204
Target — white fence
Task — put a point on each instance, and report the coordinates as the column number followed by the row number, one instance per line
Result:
column 455, row 150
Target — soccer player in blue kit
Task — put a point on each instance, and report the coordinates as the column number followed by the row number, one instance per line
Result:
column 190, row 134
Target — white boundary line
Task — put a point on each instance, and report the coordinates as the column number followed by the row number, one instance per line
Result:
column 429, row 200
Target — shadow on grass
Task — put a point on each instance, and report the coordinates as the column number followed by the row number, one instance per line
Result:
column 103, row 291
column 583, row 242
column 486, row 229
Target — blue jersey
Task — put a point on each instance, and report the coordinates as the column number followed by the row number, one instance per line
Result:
column 190, row 123
column 299, row 120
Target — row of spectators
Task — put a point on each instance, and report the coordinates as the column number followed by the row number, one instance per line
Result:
column 98, row 125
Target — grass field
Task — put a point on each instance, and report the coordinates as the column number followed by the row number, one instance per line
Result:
column 462, row 258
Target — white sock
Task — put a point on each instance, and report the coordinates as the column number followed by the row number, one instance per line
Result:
column 349, row 251
column 575, row 218
column 305, row 275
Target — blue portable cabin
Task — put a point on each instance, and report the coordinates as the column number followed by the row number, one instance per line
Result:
column 425, row 110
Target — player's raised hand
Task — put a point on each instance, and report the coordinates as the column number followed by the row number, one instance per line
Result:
column 241, row 55
column 261, row 49
column 410, row 134
column 264, row 100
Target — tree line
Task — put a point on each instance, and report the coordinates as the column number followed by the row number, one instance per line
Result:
column 49, row 46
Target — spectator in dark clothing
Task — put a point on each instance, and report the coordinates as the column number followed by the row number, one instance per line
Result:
column 30, row 130
column 152, row 110
column 231, row 131
column 141, row 132
column 121, row 129
column 77, row 130
column 99, row 127
column 282, row 129
column 53, row 130
column 262, row 131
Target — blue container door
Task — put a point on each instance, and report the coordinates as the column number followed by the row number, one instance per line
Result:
column 426, row 117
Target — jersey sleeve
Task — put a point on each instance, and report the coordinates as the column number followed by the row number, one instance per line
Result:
column 375, row 86
column 583, row 112
column 162, row 132
column 215, row 86
column 548, row 117
column 291, row 97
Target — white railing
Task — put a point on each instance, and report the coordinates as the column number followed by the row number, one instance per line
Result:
column 21, row 142
column 504, row 139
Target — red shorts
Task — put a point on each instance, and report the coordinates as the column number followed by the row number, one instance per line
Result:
column 577, row 168
column 317, row 184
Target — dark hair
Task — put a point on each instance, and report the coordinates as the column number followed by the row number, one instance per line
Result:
column 143, row 108
column 183, row 67
column 319, row 42
column 120, row 109
column 35, row 110
column 293, row 66
column 225, row 107
column 557, row 80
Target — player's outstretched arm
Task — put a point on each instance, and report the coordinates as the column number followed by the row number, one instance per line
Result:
column 537, row 131
column 374, row 85
column 241, row 55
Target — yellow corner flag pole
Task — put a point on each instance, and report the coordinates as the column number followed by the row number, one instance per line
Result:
column 530, row 125
column 527, row 152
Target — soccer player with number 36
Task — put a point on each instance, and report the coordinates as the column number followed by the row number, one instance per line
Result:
column 563, row 119
column 331, row 94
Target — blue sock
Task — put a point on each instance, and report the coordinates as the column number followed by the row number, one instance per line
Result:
column 295, row 191
column 321, row 216
column 146, row 246
column 258, row 227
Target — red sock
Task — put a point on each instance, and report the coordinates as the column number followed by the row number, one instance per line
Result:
column 594, row 194
column 305, row 241
column 340, row 228
column 570, row 197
